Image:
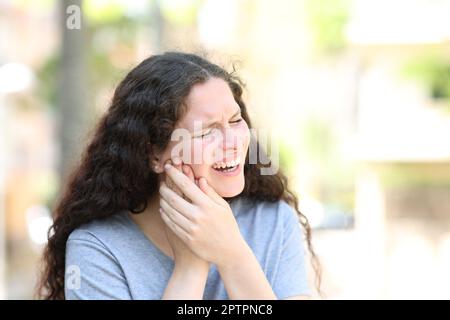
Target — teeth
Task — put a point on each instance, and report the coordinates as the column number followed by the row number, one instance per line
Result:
column 221, row 165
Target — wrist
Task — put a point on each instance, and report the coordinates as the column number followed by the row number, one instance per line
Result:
column 186, row 282
column 198, row 268
column 235, row 257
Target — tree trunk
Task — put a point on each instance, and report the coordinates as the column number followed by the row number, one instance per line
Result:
column 72, row 90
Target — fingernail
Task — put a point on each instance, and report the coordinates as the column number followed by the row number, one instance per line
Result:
column 176, row 160
column 167, row 166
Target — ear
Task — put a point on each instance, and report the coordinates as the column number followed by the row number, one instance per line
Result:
column 157, row 166
column 155, row 161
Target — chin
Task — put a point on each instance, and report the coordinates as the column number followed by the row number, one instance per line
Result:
column 229, row 191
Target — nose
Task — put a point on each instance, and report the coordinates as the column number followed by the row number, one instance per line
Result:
column 228, row 144
column 230, row 140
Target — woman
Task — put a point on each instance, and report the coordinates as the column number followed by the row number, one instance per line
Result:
column 141, row 219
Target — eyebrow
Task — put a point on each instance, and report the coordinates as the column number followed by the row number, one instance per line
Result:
column 208, row 125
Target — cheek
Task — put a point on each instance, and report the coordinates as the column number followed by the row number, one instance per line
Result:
column 242, row 133
column 202, row 156
column 205, row 149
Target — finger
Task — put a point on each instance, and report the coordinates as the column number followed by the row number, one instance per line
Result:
column 170, row 182
column 171, row 185
column 187, row 186
column 178, row 164
column 187, row 170
column 176, row 201
column 174, row 227
column 176, row 216
column 177, row 161
column 209, row 191
column 167, row 179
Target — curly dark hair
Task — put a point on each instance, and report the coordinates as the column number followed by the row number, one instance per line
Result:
column 114, row 173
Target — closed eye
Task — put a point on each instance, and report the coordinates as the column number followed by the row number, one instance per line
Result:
column 208, row 132
column 205, row 134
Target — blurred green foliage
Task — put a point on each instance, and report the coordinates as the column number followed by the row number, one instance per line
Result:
column 432, row 70
column 318, row 139
column 110, row 35
column 181, row 13
column 104, row 12
column 328, row 19
column 46, row 86
column 318, row 146
column 401, row 175
column 335, row 175
column 287, row 157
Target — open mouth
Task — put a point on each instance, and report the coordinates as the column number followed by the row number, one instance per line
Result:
column 228, row 166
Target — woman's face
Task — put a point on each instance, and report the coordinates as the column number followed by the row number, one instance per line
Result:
column 212, row 134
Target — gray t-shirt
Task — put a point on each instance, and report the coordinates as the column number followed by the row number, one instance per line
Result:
column 113, row 259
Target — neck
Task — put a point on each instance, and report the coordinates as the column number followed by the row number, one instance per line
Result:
column 150, row 216
column 153, row 226
column 152, row 206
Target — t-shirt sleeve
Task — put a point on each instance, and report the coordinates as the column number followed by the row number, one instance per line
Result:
column 92, row 272
column 292, row 277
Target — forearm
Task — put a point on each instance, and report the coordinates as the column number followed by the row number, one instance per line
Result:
column 244, row 279
column 186, row 283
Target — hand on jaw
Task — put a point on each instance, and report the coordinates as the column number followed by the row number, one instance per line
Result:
column 198, row 216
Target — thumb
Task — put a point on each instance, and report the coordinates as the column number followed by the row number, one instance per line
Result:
column 206, row 188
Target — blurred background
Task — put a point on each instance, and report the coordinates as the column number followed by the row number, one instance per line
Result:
column 356, row 92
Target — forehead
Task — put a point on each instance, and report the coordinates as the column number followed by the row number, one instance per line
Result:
column 211, row 100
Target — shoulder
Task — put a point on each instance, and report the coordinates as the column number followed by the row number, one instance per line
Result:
column 98, row 243
column 279, row 209
column 261, row 216
column 102, row 232
column 93, row 268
